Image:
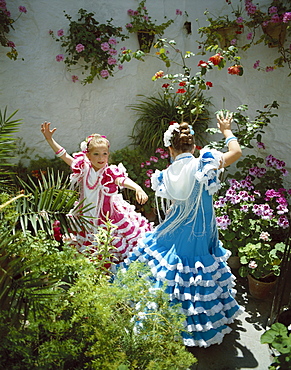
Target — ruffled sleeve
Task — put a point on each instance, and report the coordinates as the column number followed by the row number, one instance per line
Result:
column 80, row 164
column 208, row 169
column 111, row 174
column 158, row 185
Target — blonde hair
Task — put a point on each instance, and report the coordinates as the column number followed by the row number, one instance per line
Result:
column 95, row 140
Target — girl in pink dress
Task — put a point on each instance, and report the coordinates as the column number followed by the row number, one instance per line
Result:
column 98, row 185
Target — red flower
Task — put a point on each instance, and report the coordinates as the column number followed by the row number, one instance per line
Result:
column 209, row 84
column 198, row 147
column 180, row 91
column 182, row 83
column 165, row 86
column 202, row 64
column 172, row 122
column 235, row 70
column 216, row 59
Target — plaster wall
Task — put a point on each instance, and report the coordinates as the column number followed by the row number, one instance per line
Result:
column 41, row 88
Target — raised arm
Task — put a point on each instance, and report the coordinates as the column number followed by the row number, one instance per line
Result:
column 141, row 196
column 59, row 151
column 234, row 150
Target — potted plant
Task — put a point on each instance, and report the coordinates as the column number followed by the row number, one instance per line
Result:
column 146, row 29
column 91, row 44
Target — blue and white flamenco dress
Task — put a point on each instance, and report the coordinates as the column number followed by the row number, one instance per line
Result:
column 184, row 253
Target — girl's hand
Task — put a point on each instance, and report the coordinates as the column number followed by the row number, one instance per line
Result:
column 224, row 121
column 141, row 196
column 47, row 132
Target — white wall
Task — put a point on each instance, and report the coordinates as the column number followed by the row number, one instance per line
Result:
column 41, row 88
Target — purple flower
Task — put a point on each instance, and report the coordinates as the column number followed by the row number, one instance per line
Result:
column 130, row 12
column 223, row 222
column 104, row 73
column 233, row 41
column 60, row 32
column 60, row 57
column 111, row 61
column 275, row 18
column 105, row 46
column 80, row 47
column 98, row 38
column 112, row 52
column 260, row 145
column 75, row 78
column 120, row 67
column 179, row 12
column 273, row 9
column 244, row 208
column 22, row 9
column 287, row 17
column 283, row 222
column 239, row 20
column 128, row 25
column 249, row 36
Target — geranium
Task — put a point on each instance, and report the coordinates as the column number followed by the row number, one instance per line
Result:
column 92, row 44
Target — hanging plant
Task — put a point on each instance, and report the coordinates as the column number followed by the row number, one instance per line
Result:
column 6, row 24
column 90, row 45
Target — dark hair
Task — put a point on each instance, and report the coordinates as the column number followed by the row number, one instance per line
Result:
column 183, row 141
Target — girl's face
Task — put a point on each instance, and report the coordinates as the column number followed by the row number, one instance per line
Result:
column 98, row 156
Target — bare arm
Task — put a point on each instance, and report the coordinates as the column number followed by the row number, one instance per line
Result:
column 141, row 196
column 48, row 134
column 234, row 150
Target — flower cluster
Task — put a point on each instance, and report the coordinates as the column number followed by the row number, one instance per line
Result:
column 92, row 44
column 6, row 23
column 140, row 20
column 254, row 205
column 160, row 161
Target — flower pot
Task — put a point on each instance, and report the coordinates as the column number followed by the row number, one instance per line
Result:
column 226, row 35
column 261, row 289
column 277, row 34
column 145, row 40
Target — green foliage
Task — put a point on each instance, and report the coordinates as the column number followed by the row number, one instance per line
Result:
column 280, row 340
column 47, row 200
column 89, row 34
column 155, row 114
column 260, row 259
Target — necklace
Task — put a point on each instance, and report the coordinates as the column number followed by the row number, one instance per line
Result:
column 91, row 187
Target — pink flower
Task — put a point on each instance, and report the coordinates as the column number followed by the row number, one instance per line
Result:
column 105, row 46
column 256, row 65
column 120, row 67
column 112, row 41
column 60, row 57
column 111, row 61
column 128, row 25
column 22, row 9
column 154, row 159
column 147, row 183
column 264, row 236
column 239, row 20
column 60, row 32
column 148, row 163
column 249, row 36
column 80, row 47
column 273, row 9
column 142, row 165
column 179, row 12
column 75, row 78
column 98, row 38
column 233, row 42
column 287, row 17
column 112, row 52
column 149, row 172
column 269, row 69
column 275, row 18
column 104, row 73
column 10, row 44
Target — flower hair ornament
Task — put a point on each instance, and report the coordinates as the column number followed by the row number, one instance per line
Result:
column 84, row 144
column 174, row 126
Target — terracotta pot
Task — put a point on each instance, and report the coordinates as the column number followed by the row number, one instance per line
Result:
column 145, row 40
column 261, row 289
column 277, row 34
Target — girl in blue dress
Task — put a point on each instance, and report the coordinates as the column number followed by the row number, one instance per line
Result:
column 183, row 252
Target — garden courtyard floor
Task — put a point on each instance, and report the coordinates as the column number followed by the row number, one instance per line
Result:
column 241, row 349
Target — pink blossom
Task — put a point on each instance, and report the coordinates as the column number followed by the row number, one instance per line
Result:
column 98, row 38
column 112, row 41
column 10, row 44
column 249, row 36
column 154, row 159
column 111, row 61
column 283, row 222
column 239, row 20
column 269, row 69
column 261, row 145
column 130, row 12
column 179, row 12
column 105, row 46
column 276, row 18
column 147, row 183
column 112, row 51
column 22, row 9
column 128, row 25
column 142, row 165
column 287, row 17
column 148, row 163
column 264, row 236
column 120, row 67
column 149, row 172
column 123, row 48
column 273, row 9
column 256, row 65
column 60, row 32
column 80, row 47
column 233, row 41
column 60, row 57
column 223, row 222
column 104, row 73
column 75, row 78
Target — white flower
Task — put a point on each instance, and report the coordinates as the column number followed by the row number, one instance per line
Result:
column 152, row 306
column 253, row 265
column 169, row 133
column 264, row 236
column 83, row 146
column 141, row 315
